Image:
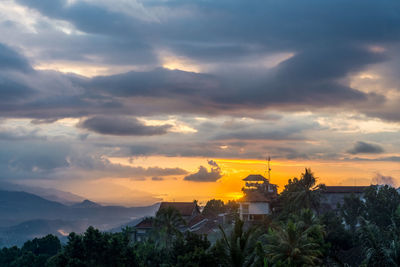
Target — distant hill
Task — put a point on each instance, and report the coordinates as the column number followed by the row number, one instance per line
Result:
column 29, row 211
column 47, row 193
column 86, row 204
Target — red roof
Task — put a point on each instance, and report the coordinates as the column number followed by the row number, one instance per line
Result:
column 145, row 223
column 184, row 208
column 345, row 189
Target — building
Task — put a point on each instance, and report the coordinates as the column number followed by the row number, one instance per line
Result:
column 332, row 196
column 188, row 210
column 143, row 228
column 259, row 194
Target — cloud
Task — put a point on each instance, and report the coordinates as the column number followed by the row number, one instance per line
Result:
column 203, row 175
column 11, row 60
column 256, row 61
column 381, row 179
column 323, row 54
column 155, row 178
column 213, row 163
column 365, row 148
column 121, row 126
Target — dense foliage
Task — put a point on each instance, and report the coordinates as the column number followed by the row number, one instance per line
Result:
column 361, row 232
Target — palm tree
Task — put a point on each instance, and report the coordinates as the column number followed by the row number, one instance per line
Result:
column 240, row 245
column 302, row 193
column 166, row 226
column 374, row 245
column 292, row 245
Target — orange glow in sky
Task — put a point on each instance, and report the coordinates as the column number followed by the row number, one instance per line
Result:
column 173, row 188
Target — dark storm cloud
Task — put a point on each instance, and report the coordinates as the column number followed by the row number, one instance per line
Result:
column 203, row 175
column 12, row 90
column 365, row 148
column 328, row 41
column 121, row 126
column 11, row 60
column 159, row 82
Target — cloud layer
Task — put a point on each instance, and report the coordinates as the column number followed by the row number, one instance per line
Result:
column 85, row 81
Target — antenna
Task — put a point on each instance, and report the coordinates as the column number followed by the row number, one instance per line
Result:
column 269, row 168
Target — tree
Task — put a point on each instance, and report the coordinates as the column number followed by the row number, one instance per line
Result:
column 373, row 242
column 240, row 246
column 192, row 250
column 293, row 245
column 351, row 210
column 9, row 255
column 49, row 245
column 95, row 248
column 301, row 193
column 381, row 203
column 166, row 226
column 213, row 208
column 338, row 238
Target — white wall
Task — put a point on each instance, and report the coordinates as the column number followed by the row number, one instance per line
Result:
column 256, row 207
column 259, row 208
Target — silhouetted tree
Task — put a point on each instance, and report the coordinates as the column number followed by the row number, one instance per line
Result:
column 239, row 245
column 301, row 193
column 213, row 208
column 167, row 223
column 293, row 245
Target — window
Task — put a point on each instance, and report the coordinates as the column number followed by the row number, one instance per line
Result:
column 245, row 208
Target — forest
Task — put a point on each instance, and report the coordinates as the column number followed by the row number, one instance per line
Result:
column 360, row 232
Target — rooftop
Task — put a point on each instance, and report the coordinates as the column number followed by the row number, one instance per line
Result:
column 145, row 223
column 255, row 178
column 184, row 208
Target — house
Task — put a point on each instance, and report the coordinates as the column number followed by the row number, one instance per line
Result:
column 188, row 210
column 142, row 229
column 334, row 195
column 259, row 193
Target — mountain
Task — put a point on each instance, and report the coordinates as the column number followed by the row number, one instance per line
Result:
column 86, row 204
column 22, row 210
column 16, row 207
column 52, row 194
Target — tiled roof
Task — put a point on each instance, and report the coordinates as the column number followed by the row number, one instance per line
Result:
column 207, row 228
column 196, row 220
column 145, row 223
column 184, row 208
column 255, row 178
column 345, row 189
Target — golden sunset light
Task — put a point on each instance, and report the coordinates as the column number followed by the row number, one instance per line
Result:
column 199, row 133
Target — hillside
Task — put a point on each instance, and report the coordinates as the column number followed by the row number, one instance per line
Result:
column 24, row 215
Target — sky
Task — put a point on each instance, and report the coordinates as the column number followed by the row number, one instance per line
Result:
column 134, row 102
